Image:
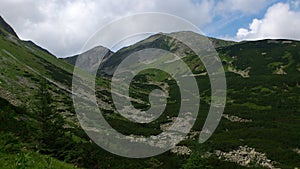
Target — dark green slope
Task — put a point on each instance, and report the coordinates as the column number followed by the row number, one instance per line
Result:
column 265, row 57
column 16, row 130
column 263, row 85
column 263, row 90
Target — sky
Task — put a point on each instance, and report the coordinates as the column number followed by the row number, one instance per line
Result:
column 63, row 26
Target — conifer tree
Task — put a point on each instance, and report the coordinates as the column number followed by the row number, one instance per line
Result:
column 51, row 122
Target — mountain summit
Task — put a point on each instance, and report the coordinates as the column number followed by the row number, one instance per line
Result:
column 6, row 27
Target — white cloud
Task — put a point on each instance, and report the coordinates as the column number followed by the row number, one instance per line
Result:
column 279, row 22
column 64, row 26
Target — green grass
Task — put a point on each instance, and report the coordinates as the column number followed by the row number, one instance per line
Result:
column 28, row 159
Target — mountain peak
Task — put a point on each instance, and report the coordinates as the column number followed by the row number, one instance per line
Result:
column 6, row 27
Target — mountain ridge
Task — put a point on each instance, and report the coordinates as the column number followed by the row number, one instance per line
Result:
column 6, row 27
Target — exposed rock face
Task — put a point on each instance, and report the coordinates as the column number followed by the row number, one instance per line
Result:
column 165, row 126
column 243, row 73
column 9, row 96
column 280, row 71
column 246, row 156
column 181, row 150
column 236, row 119
column 297, row 150
column 191, row 135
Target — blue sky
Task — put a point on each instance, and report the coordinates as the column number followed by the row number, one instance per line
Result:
column 226, row 26
column 63, row 26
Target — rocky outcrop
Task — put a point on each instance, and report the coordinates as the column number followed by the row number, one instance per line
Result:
column 297, row 150
column 181, row 150
column 243, row 73
column 246, row 156
column 236, row 119
column 280, row 71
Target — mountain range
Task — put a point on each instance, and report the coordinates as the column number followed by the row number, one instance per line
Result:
column 259, row 127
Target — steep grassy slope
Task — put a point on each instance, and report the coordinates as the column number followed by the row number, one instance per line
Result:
column 23, row 65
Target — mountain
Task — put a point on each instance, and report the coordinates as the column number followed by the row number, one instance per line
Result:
column 72, row 59
column 6, row 28
column 261, row 117
column 245, row 58
column 155, row 41
column 259, row 128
